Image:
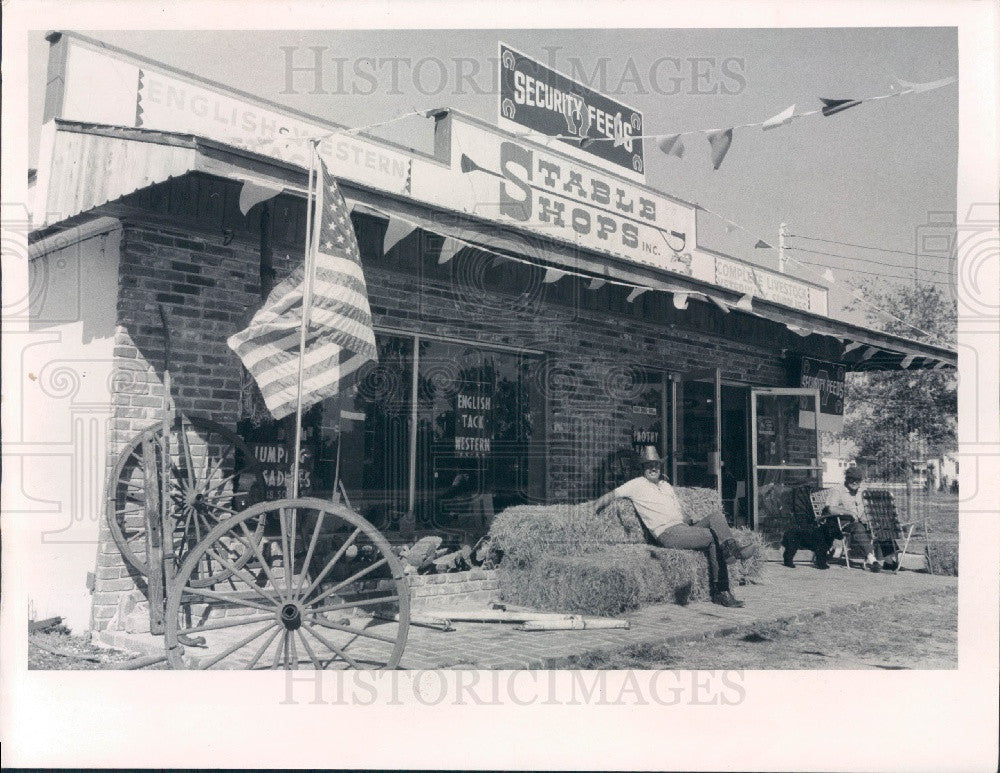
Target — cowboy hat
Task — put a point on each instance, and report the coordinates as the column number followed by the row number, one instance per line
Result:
column 648, row 455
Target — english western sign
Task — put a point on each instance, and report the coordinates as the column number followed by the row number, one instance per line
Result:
column 540, row 99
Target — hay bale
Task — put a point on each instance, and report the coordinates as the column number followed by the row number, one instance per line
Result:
column 697, row 502
column 605, row 582
column 570, row 558
column 526, row 532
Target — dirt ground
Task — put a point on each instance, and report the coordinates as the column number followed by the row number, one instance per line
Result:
column 916, row 632
column 76, row 653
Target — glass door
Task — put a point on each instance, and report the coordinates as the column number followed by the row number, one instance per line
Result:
column 699, row 430
column 786, row 461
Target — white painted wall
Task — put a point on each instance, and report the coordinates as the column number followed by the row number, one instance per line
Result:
column 54, row 455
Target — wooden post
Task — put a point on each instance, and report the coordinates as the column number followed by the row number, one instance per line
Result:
column 154, row 537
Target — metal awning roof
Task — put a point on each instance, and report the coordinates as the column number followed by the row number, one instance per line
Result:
column 82, row 166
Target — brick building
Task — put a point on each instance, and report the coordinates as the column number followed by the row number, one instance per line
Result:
column 514, row 366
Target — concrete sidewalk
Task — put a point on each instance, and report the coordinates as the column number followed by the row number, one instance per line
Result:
column 785, row 595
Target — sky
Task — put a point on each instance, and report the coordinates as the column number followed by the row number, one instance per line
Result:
column 874, row 175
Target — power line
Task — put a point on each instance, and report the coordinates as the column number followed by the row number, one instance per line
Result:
column 876, row 273
column 868, row 260
column 910, row 254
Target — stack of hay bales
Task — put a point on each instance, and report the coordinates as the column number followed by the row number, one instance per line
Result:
column 572, row 558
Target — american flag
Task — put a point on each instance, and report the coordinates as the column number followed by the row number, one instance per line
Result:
column 339, row 339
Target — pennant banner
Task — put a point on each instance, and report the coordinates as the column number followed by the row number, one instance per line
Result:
column 396, row 231
column 254, row 193
column 672, row 145
column 834, row 106
column 720, row 142
column 636, row 293
column 781, row 119
column 552, row 275
column 761, row 244
column 448, row 249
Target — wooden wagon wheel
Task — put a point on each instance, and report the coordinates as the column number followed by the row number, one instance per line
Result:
column 343, row 602
column 213, row 475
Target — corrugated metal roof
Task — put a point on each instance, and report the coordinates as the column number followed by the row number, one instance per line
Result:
column 92, row 165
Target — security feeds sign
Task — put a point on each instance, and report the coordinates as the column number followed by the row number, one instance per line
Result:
column 544, row 101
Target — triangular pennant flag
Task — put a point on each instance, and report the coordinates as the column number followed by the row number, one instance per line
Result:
column 672, row 145
column 833, row 106
column 720, row 142
column 498, row 260
column 870, row 352
column 680, row 301
column 762, row 244
column 782, row 118
column 852, row 346
column 597, row 284
column 254, row 193
column 920, row 88
column 395, row 232
column 829, row 277
column 720, row 303
column 745, row 303
column 586, row 142
column 906, row 362
column 940, row 365
column 448, row 250
column 730, row 227
column 552, row 275
column 800, row 331
column 636, row 292
column 364, row 209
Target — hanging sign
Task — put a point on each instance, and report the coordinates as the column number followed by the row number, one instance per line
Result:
column 473, row 424
column 547, row 102
column 275, row 460
column 830, row 378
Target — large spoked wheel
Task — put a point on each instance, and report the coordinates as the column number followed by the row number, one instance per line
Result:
column 323, row 591
column 212, row 475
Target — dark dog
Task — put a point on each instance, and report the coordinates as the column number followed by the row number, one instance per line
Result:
column 818, row 538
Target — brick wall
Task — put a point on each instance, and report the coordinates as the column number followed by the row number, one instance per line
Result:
column 594, row 341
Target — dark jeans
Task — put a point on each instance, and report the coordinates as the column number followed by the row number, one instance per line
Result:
column 708, row 534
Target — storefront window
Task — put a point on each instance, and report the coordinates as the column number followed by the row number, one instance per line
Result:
column 480, row 435
column 370, row 422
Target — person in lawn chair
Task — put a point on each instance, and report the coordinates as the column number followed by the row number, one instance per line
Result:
column 661, row 513
column 842, row 515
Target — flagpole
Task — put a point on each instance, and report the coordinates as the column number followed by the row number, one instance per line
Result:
column 307, row 281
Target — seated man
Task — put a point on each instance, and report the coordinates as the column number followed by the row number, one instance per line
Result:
column 659, row 509
column 842, row 514
column 844, row 506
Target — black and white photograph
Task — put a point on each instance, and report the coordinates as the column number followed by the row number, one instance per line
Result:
column 627, row 369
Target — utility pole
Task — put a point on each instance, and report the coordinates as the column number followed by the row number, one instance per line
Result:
column 781, row 248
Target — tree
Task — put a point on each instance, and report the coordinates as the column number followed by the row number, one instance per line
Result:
column 896, row 416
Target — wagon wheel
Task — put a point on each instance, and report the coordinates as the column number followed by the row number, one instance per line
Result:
column 344, row 603
column 213, row 475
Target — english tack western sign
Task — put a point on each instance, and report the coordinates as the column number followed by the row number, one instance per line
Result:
column 540, row 99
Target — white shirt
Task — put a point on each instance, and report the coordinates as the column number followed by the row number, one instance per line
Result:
column 656, row 503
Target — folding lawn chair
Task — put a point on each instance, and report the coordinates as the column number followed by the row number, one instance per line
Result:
column 886, row 528
column 818, row 501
